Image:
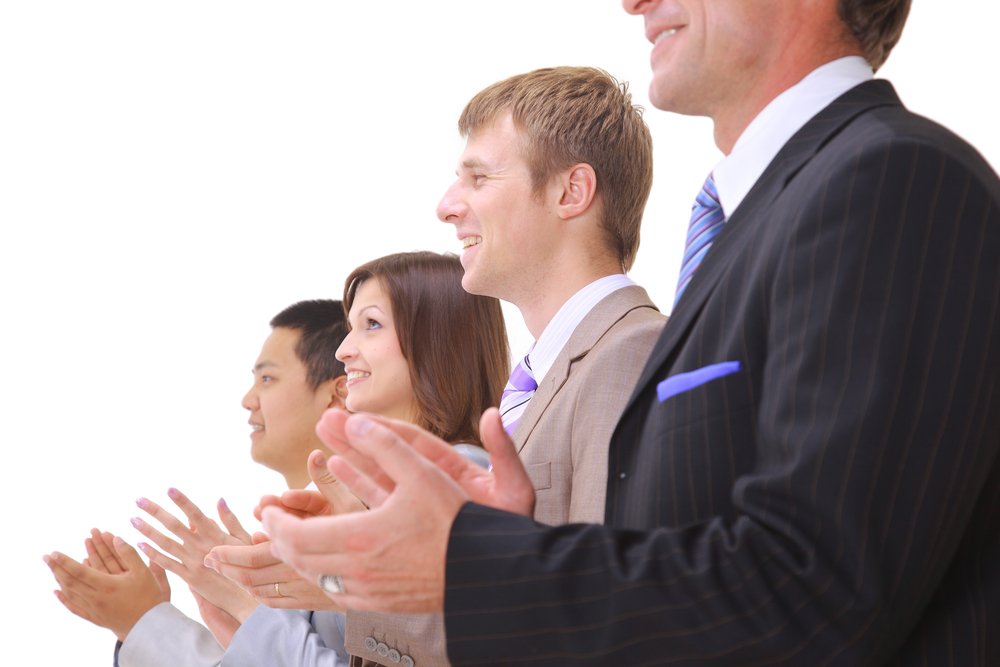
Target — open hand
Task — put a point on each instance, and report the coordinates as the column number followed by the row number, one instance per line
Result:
column 189, row 550
column 113, row 600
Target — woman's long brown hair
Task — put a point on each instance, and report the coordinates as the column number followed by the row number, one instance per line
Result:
column 455, row 343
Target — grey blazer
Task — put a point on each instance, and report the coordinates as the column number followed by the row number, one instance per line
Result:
column 165, row 637
column 562, row 438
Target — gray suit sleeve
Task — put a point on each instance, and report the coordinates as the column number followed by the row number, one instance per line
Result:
column 289, row 638
column 165, row 637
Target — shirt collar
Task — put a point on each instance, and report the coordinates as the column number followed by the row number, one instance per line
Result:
column 785, row 115
column 557, row 332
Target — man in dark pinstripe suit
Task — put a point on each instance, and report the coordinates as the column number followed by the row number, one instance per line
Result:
column 808, row 470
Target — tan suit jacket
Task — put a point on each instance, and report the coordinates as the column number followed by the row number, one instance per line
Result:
column 562, row 438
column 563, row 435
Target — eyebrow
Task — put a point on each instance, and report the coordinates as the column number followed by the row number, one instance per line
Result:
column 262, row 365
column 473, row 163
column 367, row 308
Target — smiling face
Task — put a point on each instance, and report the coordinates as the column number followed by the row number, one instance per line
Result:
column 727, row 59
column 378, row 375
column 707, row 52
column 284, row 407
column 500, row 220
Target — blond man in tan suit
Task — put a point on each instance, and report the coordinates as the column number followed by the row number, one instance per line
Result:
column 547, row 205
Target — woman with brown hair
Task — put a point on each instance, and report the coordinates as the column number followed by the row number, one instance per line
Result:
column 421, row 348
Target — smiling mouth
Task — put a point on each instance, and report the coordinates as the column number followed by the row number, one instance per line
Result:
column 356, row 375
column 470, row 241
column 663, row 35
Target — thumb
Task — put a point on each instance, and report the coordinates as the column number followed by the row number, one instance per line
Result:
column 161, row 580
column 339, row 497
column 515, row 491
column 496, row 440
column 318, row 473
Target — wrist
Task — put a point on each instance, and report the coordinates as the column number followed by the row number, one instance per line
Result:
column 122, row 631
column 243, row 610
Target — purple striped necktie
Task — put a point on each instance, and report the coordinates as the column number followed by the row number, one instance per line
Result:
column 707, row 219
column 516, row 394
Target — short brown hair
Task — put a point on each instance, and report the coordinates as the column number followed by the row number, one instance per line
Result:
column 569, row 115
column 875, row 24
column 455, row 343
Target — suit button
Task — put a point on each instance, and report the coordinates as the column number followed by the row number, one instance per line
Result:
column 370, row 643
column 382, row 649
column 393, row 655
column 406, row 660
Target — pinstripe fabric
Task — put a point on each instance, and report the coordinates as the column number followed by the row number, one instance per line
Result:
column 837, row 501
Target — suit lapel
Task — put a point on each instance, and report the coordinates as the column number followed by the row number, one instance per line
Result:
column 591, row 329
column 735, row 236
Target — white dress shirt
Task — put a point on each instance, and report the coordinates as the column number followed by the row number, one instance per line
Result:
column 778, row 121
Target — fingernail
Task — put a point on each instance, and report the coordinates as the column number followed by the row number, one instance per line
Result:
column 222, row 503
column 359, row 425
column 319, row 460
column 118, row 541
column 136, row 521
column 172, row 492
column 142, row 503
column 211, row 563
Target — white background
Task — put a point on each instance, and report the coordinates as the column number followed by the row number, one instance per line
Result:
column 173, row 174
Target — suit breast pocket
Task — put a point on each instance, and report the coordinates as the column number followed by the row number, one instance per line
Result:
column 540, row 475
column 696, row 444
column 720, row 398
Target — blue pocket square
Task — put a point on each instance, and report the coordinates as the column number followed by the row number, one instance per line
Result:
column 678, row 384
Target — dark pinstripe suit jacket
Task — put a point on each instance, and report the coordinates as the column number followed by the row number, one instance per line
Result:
column 836, row 500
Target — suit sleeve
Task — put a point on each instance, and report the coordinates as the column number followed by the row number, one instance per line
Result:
column 874, row 432
column 391, row 639
column 288, row 638
column 165, row 637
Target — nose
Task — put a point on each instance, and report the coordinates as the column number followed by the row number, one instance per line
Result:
column 347, row 349
column 250, row 401
column 636, row 6
column 450, row 208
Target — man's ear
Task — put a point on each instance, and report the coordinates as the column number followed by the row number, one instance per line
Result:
column 579, row 187
column 338, row 395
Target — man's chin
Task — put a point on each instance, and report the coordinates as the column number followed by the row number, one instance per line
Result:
column 471, row 285
column 257, row 453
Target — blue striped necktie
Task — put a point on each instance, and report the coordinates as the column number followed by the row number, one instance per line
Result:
column 520, row 387
column 707, row 219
